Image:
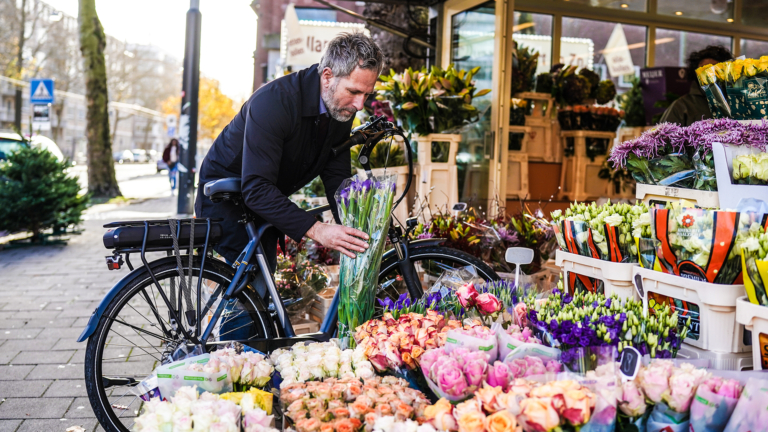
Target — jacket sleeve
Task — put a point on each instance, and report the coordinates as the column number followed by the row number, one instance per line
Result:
column 267, row 126
column 336, row 170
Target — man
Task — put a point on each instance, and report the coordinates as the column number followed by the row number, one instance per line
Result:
column 693, row 106
column 282, row 138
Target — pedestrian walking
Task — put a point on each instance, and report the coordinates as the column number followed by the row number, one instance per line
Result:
column 171, row 158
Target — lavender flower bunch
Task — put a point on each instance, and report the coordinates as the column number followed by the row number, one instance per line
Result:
column 364, row 204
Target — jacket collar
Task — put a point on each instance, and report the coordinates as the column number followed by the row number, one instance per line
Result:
column 310, row 91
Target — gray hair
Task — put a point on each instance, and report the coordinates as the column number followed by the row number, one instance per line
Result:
column 350, row 50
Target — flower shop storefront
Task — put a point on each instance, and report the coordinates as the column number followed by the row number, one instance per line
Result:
column 537, row 137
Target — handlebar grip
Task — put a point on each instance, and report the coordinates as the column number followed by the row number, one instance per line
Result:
column 356, row 139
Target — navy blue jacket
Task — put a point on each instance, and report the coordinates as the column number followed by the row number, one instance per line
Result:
column 272, row 145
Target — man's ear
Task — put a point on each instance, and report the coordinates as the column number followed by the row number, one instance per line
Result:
column 325, row 77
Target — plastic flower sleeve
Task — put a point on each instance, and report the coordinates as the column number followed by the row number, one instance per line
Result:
column 697, row 243
column 710, row 81
column 747, row 89
column 710, row 411
column 366, row 205
column 751, row 413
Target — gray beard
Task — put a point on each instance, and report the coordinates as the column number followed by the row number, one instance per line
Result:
column 336, row 112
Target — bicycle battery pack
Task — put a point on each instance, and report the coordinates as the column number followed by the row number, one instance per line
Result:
column 159, row 236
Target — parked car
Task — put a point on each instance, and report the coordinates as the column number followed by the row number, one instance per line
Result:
column 161, row 165
column 125, row 156
column 140, row 156
column 10, row 142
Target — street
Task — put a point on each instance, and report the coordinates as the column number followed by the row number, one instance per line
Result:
column 47, row 295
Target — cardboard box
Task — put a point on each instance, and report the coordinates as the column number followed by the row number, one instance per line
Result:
column 656, row 83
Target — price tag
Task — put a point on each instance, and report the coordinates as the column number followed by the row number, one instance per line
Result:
column 630, row 363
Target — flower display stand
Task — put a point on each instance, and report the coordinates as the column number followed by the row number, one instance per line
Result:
column 651, row 194
column 627, row 133
column 715, row 328
column 404, row 209
column 438, row 181
column 541, row 145
column 616, row 277
column 716, row 360
column 515, row 132
column 729, row 193
column 579, row 180
column 515, row 172
column 755, row 319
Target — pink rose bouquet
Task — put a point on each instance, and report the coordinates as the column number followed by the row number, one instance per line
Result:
column 455, row 375
column 529, row 366
column 714, row 403
column 513, row 337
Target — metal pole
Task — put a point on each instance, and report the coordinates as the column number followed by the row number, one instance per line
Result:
column 188, row 119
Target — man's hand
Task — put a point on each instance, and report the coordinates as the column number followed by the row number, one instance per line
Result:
column 340, row 238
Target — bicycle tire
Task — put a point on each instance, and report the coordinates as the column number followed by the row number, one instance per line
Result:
column 214, row 270
column 440, row 253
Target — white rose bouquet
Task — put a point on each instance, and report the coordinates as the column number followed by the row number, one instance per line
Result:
column 246, row 369
column 319, row 360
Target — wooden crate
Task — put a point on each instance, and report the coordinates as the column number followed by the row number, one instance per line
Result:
column 579, row 179
column 525, row 130
column 438, row 180
column 305, row 326
column 543, row 103
column 517, row 175
column 540, row 145
column 322, row 303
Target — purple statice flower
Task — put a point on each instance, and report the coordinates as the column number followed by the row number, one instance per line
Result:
column 425, row 235
column 508, row 235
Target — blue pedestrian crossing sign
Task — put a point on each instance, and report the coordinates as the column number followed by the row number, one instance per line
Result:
column 41, row 91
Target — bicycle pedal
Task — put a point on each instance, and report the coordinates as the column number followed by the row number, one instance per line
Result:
column 114, row 262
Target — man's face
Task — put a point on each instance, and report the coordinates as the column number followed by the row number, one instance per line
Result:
column 343, row 97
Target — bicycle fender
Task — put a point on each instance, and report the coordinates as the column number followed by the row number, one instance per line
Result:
column 413, row 244
column 93, row 322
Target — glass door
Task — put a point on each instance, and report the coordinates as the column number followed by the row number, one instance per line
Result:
column 472, row 44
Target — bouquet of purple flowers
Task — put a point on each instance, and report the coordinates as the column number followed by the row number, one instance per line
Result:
column 365, row 205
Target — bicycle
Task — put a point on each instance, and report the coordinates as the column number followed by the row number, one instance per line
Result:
column 145, row 320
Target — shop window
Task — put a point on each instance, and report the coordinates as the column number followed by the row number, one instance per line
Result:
column 709, row 10
column 613, row 50
column 473, row 45
column 674, row 46
column 632, row 5
column 754, row 48
column 753, row 13
column 534, row 31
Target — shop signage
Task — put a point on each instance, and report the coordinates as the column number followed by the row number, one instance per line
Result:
column 573, row 51
column 304, row 42
column 616, row 53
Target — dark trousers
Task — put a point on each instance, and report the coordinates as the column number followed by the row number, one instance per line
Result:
column 233, row 241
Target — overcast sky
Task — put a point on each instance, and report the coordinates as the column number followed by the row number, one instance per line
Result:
column 227, row 42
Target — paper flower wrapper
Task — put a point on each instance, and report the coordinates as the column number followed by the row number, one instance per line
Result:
column 456, row 339
column 709, row 411
column 751, row 413
column 665, row 419
column 173, row 376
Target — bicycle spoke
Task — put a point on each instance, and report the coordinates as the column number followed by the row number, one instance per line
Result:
column 235, row 329
column 165, row 332
column 138, row 329
column 161, row 354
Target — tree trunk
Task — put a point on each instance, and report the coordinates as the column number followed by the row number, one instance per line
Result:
column 101, row 168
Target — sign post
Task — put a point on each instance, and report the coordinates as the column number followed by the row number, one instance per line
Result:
column 188, row 120
column 41, row 98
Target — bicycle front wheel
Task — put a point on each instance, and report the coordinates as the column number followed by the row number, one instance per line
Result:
column 429, row 263
column 135, row 334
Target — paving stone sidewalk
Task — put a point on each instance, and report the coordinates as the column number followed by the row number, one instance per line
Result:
column 47, row 294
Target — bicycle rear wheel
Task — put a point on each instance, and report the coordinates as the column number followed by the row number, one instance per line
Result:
column 135, row 334
column 429, row 263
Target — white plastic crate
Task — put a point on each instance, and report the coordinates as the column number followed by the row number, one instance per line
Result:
column 616, row 277
column 755, row 319
column 716, row 327
column 730, row 193
column 654, row 193
column 717, row 360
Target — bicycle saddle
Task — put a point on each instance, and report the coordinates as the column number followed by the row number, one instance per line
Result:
column 222, row 186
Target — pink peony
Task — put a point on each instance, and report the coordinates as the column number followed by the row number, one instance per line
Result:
column 474, row 370
column 451, row 380
column 488, row 304
column 521, row 314
column 467, row 295
column 730, row 389
column 654, row 379
column 632, row 401
column 498, row 375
